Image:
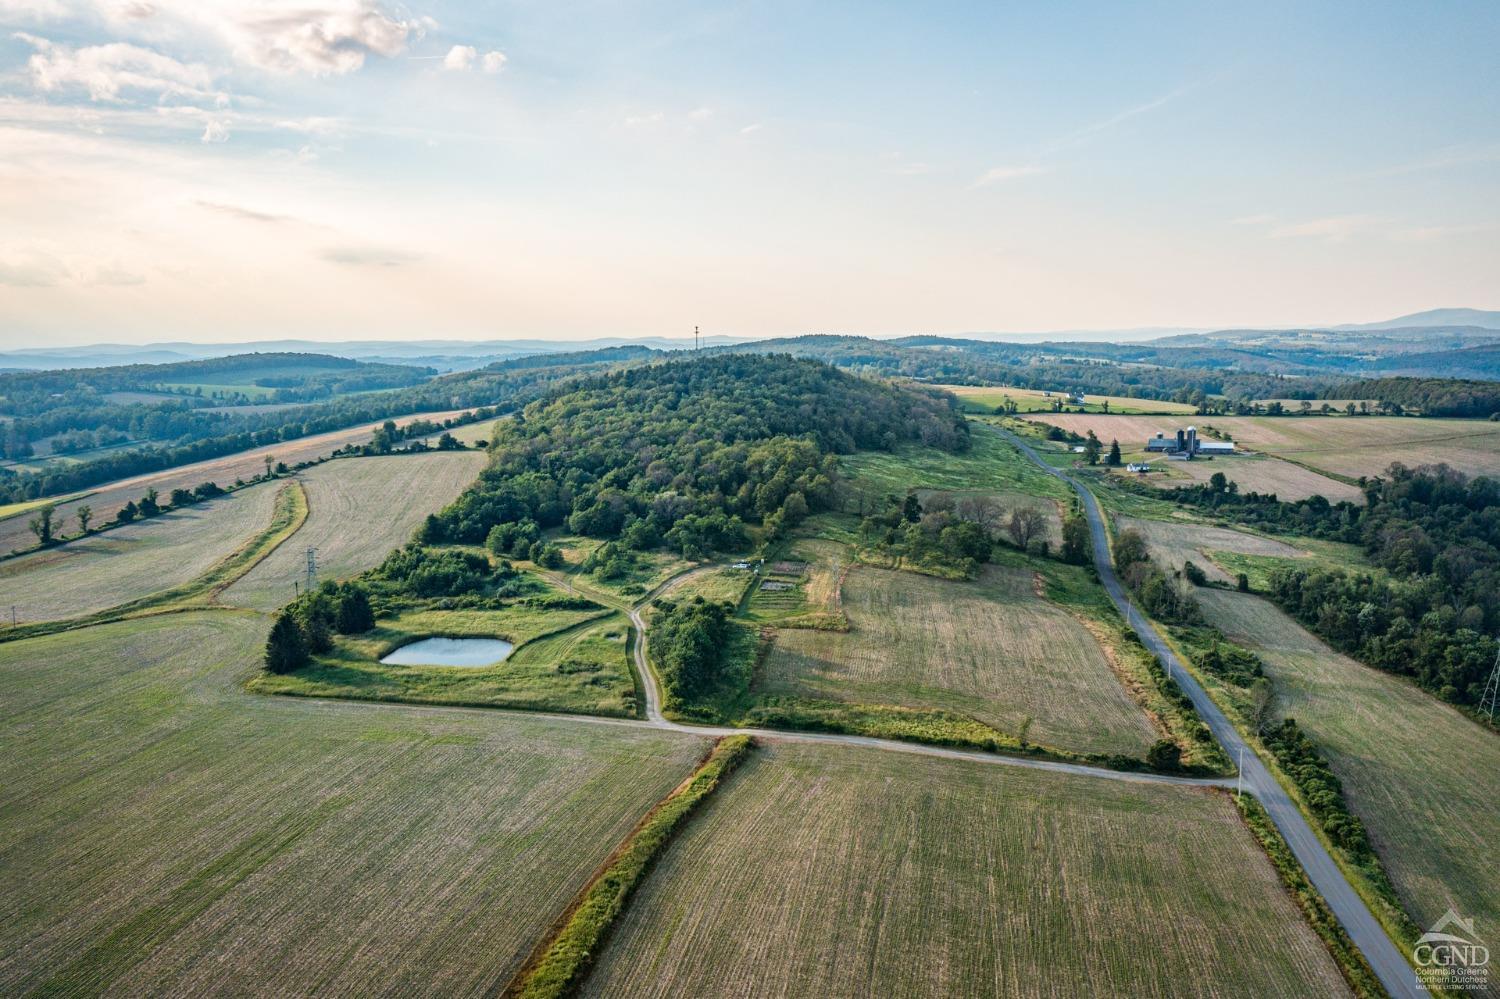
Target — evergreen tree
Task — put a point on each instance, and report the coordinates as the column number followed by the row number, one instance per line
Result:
column 354, row 615
column 1114, row 454
column 286, row 647
column 1091, row 448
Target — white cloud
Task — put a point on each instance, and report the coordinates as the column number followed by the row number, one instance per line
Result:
column 460, row 58
column 700, row 114
column 654, row 118
column 1000, row 174
column 215, row 131
column 494, row 61
column 108, row 71
column 752, row 129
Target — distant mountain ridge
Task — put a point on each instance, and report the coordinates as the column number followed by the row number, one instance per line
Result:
column 1482, row 318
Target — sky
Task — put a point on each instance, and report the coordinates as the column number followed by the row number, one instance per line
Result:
column 226, row 170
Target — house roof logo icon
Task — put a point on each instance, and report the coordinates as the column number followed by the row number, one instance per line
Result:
column 1439, row 934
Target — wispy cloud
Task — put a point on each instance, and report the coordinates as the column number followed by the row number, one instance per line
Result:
column 1001, row 174
column 368, row 256
column 1333, row 228
column 1441, row 159
column 649, row 118
column 1254, row 220
column 110, row 71
column 245, row 214
column 32, row 269
column 1118, row 118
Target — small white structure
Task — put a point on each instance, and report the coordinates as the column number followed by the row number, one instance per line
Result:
column 1138, row 466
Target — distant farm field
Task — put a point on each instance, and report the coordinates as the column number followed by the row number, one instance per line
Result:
column 107, row 499
column 992, row 650
column 985, row 399
column 1252, row 473
column 161, row 832
column 359, row 510
column 1338, row 445
column 129, row 562
column 838, row 871
column 1424, row 778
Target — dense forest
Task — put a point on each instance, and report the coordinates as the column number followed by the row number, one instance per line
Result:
column 1434, row 612
column 1431, row 396
column 686, row 452
column 196, row 435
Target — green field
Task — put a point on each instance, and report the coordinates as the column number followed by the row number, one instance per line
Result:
column 125, row 563
column 360, row 510
column 1424, row 779
column 991, row 466
column 991, row 650
column 162, row 832
column 837, row 871
column 565, row 660
column 985, row 399
column 652, row 569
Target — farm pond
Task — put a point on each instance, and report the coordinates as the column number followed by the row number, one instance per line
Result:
column 476, row 652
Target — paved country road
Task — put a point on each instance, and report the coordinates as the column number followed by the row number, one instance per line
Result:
column 1384, row 957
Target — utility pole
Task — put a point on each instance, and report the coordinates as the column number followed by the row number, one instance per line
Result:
column 1240, row 791
column 697, row 345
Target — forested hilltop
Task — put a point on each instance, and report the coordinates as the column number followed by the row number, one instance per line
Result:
column 178, row 430
column 686, row 452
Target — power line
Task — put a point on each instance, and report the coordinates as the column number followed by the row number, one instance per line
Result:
column 1491, row 697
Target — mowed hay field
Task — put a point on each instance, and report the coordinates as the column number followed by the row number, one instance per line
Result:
column 161, row 832
column 990, row 649
column 985, row 398
column 125, row 563
column 359, row 510
column 1252, row 473
column 107, row 499
column 1424, row 778
column 840, row 871
column 1173, row 543
column 1366, row 445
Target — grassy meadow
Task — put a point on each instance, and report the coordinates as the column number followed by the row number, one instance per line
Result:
column 840, row 871
column 162, row 832
column 1422, row 777
column 359, row 510
column 991, row 650
column 126, row 563
column 985, row 399
column 564, row 660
